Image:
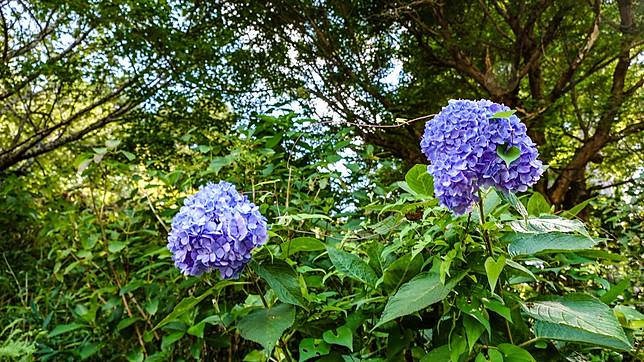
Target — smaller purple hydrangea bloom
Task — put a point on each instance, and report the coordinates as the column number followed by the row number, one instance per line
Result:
column 217, row 228
column 461, row 143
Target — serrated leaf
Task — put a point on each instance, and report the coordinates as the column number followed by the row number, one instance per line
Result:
column 508, row 155
column 531, row 244
column 422, row 291
column 577, row 318
column 420, row 181
column 504, row 114
column 352, row 266
column 283, row 280
column 342, row 337
column 266, row 326
column 493, row 269
column 548, row 224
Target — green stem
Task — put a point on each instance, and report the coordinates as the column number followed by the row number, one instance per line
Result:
column 265, row 303
column 529, row 342
column 483, row 231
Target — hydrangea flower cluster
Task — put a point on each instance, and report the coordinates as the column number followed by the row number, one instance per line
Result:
column 217, row 228
column 461, row 143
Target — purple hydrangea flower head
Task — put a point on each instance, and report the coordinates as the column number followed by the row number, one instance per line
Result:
column 217, row 228
column 461, row 143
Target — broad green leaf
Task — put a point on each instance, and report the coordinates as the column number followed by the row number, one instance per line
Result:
column 188, row 303
column 508, row 155
column 493, row 269
column 472, row 307
column 112, row 143
column 530, row 244
column 342, row 337
column 169, row 339
column 441, row 353
column 311, row 348
column 577, row 318
column 89, row 350
column 547, row 225
column 220, row 162
column 282, row 279
column 152, row 306
column 116, row 246
column 352, row 266
column 537, row 204
column 512, row 353
column 422, row 291
column 304, row 243
column 458, row 346
column 198, row 329
column 514, row 201
column 401, row 270
column 497, row 307
column 513, row 264
column 124, row 323
column 493, row 355
column 473, row 330
column 420, row 181
column 65, row 328
column 135, row 356
column 266, row 326
column 129, row 155
column 578, row 208
column 615, row 290
column 629, row 317
column 504, row 114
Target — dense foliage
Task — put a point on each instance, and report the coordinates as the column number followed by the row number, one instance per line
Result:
column 354, row 269
column 160, row 200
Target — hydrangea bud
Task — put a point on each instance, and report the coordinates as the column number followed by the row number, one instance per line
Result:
column 461, row 144
column 217, row 228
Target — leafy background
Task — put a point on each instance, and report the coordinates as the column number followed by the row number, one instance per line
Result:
column 112, row 113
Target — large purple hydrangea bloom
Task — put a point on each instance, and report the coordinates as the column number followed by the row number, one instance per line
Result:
column 217, row 228
column 461, row 143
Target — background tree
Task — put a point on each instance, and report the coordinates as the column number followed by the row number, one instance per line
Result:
column 70, row 68
column 568, row 67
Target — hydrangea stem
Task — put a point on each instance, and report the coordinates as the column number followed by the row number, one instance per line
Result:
column 483, row 231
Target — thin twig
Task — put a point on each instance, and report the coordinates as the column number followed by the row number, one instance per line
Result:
column 482, row 220
column 529, row 341
column 369, row 125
